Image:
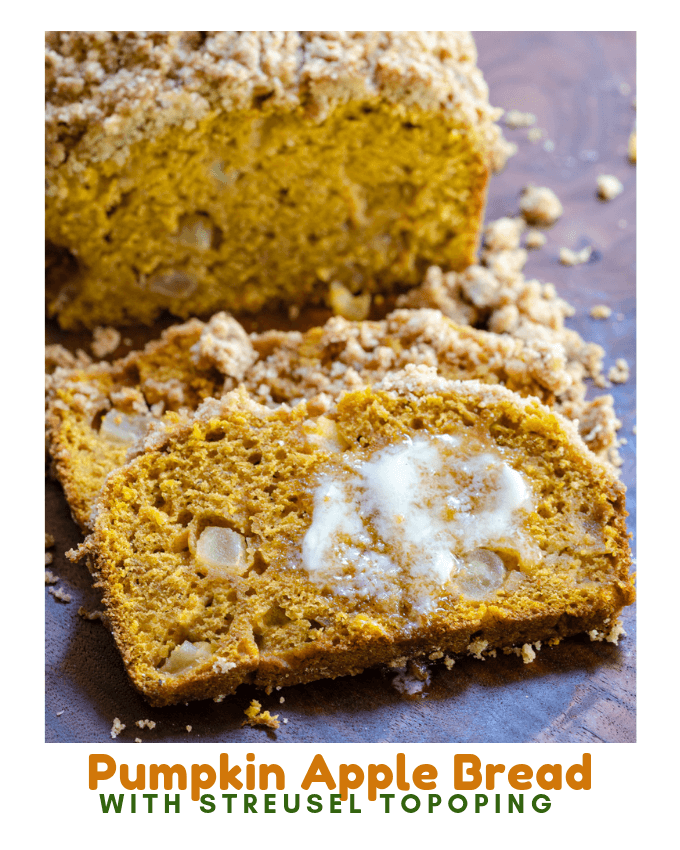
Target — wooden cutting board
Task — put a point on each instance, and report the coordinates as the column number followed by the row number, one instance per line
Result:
column 581, row 88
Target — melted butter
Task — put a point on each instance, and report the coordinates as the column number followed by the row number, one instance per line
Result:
column 419, row 516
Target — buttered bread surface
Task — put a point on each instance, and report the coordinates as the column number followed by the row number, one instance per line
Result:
column 277, row 546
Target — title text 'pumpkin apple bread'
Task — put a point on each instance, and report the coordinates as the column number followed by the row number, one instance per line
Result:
column 97, row 413
column 200, row 171
column 274, row 546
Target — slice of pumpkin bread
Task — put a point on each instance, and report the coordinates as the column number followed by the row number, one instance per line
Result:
column 195, row 172
column 97, row 413
column 273, row 546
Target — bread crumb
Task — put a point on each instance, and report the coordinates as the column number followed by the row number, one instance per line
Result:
column 540, row 206
column 257, row 717
column 117, row 727
column 189, row 728
column 282, row 699
column 535, row 134
column 477, row 647
column 59, row 713
column 612, row 636
column 104, row 341
column 138, row 740
column 514, row 119
column 49, row 541
column 632, row 147
column 285, row 719
column 48, row 558
column 150, row 724
column 534, row 239
column 575, row 258
column 619, row 372
column 608, row 187
column 528, row 654
column 50, row 577
column 449, row 662
column 435, row 656
column 410, row 682
column 217, row 698
column 59, row 594
column 355, row 308
column 600, row 311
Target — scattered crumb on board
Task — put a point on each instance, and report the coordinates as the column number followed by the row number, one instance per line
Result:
column 540, row 206
column 116, row 728
column 575, row 258
column 608, row 187
column 256, row 717
column 619, row 372
column 600, row 311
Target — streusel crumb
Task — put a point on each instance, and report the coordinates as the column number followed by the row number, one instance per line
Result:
column 503, row 234
column 608, row 187
column 600, row 311
column 619, row 372
column 540, row 206
column 116, row 728
column 575, row 258
column 104, row 341
column 534, row 239
column 514, row 119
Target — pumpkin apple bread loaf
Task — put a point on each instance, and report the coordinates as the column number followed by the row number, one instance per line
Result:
column 97, row 412
column 277, row 546
column 200, row 171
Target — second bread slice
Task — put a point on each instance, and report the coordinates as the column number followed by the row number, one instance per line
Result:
column 274, row 547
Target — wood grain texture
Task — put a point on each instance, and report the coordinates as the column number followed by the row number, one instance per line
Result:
column 581, row 88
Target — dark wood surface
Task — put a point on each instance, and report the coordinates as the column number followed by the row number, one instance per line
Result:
column 581, row 87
